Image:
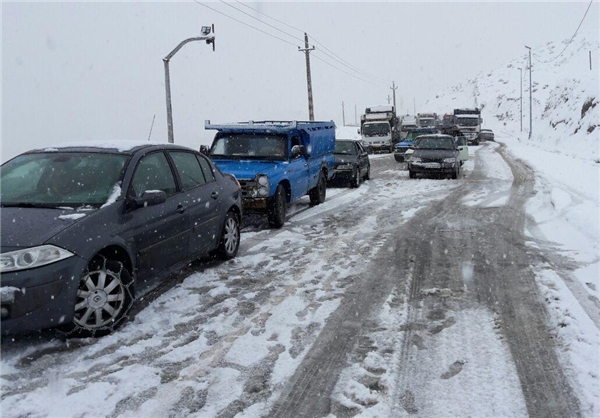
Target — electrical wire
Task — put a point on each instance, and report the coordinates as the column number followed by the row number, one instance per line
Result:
column 570, row 41
column 329, row 52
column 244, row 23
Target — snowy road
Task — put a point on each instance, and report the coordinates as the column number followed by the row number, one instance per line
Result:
column 402, row 297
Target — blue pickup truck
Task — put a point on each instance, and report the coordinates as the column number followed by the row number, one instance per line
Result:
column 276, row 162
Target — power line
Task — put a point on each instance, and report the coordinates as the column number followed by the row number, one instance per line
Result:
column 572, row 37
column 345, row 72
column 331, row 54
column 261, row 21
column 284, row 40
column 244, row 23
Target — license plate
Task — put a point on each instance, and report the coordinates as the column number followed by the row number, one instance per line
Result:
column 431, row 165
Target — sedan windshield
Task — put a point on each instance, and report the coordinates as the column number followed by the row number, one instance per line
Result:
column 60, row 179
column 432, row 142
column 345, row 148
column 251, row 146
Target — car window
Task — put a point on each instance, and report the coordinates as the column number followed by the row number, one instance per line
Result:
column 461, row 140
column 189, row 170
column 153, row 173
column 206, row 168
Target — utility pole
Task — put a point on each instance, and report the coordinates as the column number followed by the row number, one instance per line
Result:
column 530, row 92
column 521, row 102
column 414, row 106
column 394, row 88
column 206, row 30
column 306, row 50
column 389, row 99
column 355, row 116
column 343, row 115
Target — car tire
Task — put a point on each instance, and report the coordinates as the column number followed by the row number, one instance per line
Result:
column 411, row 174
column 277, row 207
column 104, row 298
column 317, row 194
column 368, row 175
column 456, row 173
column 356, row 180
column 229, row 243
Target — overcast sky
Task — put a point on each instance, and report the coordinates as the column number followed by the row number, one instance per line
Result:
column 80, row 70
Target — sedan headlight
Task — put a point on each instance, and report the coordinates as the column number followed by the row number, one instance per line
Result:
column 32, row 257
column 450, row 160
column 344, row 167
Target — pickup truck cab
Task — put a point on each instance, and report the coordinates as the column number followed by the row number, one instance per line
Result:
column 276, row 162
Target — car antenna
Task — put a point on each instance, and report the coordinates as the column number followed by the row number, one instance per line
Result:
column 151, row 126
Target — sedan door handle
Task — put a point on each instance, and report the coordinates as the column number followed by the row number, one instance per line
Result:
column 181, row 208
column 214, row 195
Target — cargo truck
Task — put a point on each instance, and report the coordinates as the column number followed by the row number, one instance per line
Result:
column 380, row 128
column 469, row 123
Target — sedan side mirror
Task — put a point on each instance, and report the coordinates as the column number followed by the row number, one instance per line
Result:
column 204, row 149
column 148, row 198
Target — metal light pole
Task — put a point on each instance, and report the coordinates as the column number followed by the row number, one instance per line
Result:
column 521, row 102
column 530, row 100
column 206, row 30
column 394, row 88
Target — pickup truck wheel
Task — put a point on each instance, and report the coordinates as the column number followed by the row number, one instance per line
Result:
column 276, row 213
column 317, row 194
column 412, row 174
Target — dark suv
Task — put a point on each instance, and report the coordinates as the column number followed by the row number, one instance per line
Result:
column 435, row 154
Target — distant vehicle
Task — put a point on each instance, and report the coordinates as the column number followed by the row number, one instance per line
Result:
column 469, row 123
column 276, row 162
column 401, row 148
column 486, row 135
column 407, row 123
column 84, row 226
column 380, row 127
column 351, row 162
column 427, row 120
column 435, row 154
column 447, row 124
column 463, row 148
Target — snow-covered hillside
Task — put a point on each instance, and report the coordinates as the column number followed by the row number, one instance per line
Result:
column 565, row 97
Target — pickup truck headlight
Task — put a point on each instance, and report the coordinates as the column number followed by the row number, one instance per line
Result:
column 32, row 257
column 262, row 185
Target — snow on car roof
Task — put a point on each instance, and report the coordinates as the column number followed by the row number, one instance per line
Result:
column 467, row 116
column 119, row 145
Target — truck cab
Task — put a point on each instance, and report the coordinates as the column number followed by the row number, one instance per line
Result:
column 276, row 162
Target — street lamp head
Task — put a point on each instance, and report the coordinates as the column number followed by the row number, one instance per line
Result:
column 206, row 30
column 528, row 47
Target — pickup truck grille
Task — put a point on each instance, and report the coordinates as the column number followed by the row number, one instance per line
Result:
column 247, row 184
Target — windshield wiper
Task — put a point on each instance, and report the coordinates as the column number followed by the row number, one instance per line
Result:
column 28, row 205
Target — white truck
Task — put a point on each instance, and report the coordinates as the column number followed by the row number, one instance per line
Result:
column 427, row 120
column 469, row 123
column 379, row 128
column 408, row 123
